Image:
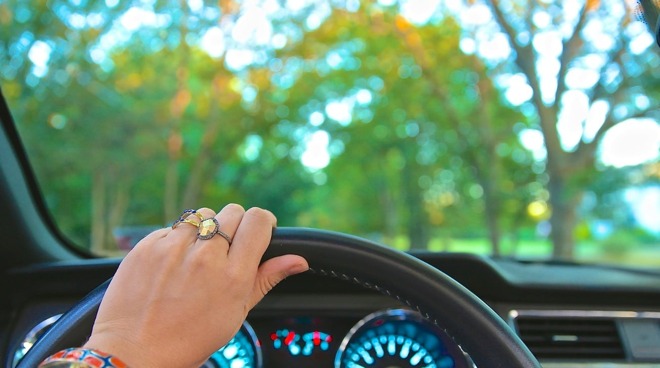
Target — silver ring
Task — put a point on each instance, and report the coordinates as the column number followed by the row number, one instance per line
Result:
column 209, row 228
column 224, row 235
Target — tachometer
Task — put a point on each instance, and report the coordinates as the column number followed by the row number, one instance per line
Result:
column 398, row 338
column 243, row 351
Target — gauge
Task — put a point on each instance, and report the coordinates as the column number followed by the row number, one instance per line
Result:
column 243, row 351
column 32, row 337
column 398, row 338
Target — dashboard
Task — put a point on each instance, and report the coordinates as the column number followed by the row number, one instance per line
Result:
column 303, row 330
column 569, row 316
column 391, row 337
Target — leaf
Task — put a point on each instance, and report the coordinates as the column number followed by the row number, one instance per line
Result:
column 592, row 5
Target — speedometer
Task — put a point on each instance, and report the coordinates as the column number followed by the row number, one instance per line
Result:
column 242, row 351
column 398, row 338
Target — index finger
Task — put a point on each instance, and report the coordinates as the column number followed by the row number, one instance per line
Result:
column 252, row 237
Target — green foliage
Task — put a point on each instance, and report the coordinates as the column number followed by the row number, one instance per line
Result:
column 126, row 130
column 621, row 242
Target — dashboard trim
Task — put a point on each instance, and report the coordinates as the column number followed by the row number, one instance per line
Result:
column 640, row 346
column 515, row 313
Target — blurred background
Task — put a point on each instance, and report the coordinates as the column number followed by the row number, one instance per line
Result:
column 515, row 128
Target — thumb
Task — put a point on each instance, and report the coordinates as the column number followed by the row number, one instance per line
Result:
column 273, row 271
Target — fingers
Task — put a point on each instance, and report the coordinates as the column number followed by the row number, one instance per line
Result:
column 250, row 232
column 256, row 225
column 229, row 219
column 273, row 271
column 223, row 227
column 252, row 237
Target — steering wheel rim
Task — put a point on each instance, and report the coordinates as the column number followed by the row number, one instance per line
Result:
column 488, row 340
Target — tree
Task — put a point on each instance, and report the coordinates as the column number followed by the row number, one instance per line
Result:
column 169, row 144
column 619, row 70
column 410, row 126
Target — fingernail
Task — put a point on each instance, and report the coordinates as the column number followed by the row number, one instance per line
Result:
column 298, row 268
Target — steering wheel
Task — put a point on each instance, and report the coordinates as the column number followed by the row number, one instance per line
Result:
column 469, row 321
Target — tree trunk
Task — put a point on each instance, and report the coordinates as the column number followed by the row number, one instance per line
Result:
column 418, row 219
column 180, row 101
column 170, row 202
column 390, row 215
column 493, row 221
column 116, row 215
column 98, row 231
column 418, row 230
column 563, row 217
column 202, row 169
column 487, row 177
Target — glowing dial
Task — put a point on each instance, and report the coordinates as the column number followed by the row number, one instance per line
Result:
column 397, row 338
column 242, row 351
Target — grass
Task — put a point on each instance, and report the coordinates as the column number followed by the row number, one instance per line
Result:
column 638, row 255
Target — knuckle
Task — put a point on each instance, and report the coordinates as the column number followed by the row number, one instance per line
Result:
column 267, row 284
column 206, row 212
column 261, row 214
column 237, row 274
column 200, row 260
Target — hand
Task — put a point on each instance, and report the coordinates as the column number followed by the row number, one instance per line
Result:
column 176, row 299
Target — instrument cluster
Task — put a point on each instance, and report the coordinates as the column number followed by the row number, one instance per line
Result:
column 388, row 338
column 393, row 337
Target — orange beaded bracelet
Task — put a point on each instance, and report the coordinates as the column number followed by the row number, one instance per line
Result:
column 82, row 358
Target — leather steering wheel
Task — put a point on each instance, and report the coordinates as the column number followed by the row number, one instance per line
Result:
column 469, row 321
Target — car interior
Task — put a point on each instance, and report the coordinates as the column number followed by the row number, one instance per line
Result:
column 364, row 302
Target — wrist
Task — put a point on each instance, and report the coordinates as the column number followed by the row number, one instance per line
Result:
column 82, row 358
column 131, row 352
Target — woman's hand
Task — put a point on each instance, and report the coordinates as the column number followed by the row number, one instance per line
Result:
column 176, row 299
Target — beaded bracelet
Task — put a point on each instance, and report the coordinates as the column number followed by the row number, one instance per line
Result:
column 82, row 358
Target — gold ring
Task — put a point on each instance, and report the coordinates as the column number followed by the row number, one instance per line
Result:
column 185, row 219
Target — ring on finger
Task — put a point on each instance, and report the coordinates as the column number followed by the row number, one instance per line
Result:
column 185, row 218
column 209, row 228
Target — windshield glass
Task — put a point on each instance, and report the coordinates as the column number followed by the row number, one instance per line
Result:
column 515, row 128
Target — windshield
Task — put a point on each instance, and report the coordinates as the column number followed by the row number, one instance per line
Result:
column 514, row 128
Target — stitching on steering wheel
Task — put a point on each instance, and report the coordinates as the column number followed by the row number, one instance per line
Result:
column 380, row 289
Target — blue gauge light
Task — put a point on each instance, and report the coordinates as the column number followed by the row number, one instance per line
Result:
column 300, row 345
column 398, row 338
column 242, row 351
column 287, row 339
column 314, row 340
